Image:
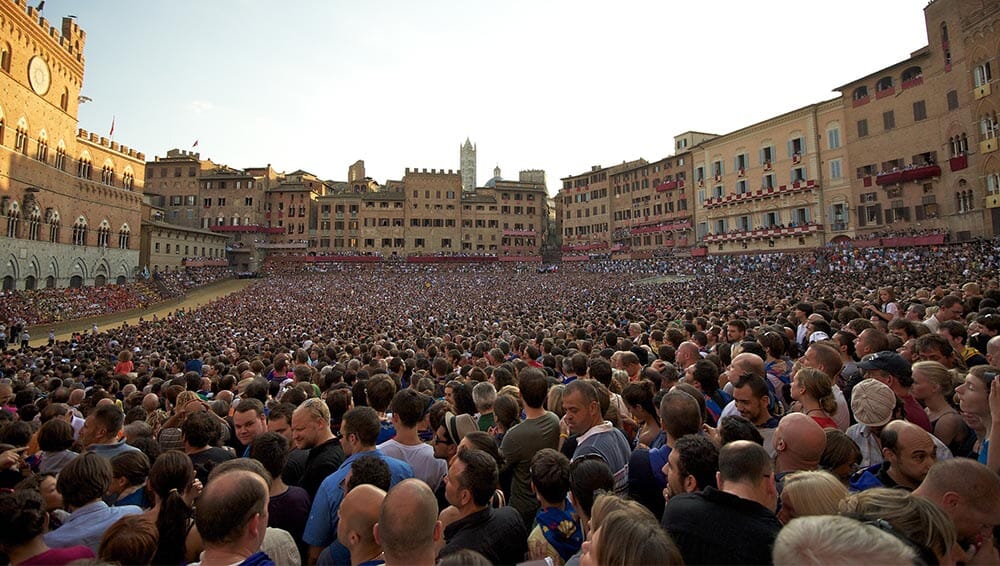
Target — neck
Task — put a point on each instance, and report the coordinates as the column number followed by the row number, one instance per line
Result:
column 533, row 412
column 418, row 557
column 746, row 491
column 34, row 547
column 549, row 505
column 810, row 404
column 407, row 436
column 936, row 403
column 469, row 509
column 224, row 556
column 762, row 420
column 896, row 477
column 364, row 553
column 277, row 486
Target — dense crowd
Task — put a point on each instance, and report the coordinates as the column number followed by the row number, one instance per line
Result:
column 41, row 306
column 836, row 406
column 176, row 283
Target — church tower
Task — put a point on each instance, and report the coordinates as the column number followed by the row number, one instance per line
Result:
column 468, row 166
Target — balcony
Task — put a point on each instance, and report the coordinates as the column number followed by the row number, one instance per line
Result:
column 520, row 233
column 988, row 145
column 740, row 235
column 761, row 194
column 670, row 185
column 686, row 224
column 910, row 174
column 915, row 81
column 885, row 92
column 959, row 162
column 981, row 91
column 861, row 101
column 248, row 228
column 585, row 247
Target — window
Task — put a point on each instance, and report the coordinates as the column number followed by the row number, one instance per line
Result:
column 21, row 140
column 80, row 232
column 952, row 100
column 418, row 242
column 798, row 174
column 981, row 74
column 993, row 183
column 60, row 163
column 833, row 138
column 222, row 201
column 767, row 181
column 248, row 201
column 919, row 111
column 860, row 93
column 988, row 126
column 42, row 153
column 190, row 200
column 885, row 83
column 176, row 200
column 796, row 146
column 863, row 128
column 741, row 187
column 5, row 57
column 889, row 120
column 835, row 169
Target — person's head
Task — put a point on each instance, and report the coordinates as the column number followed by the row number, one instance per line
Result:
column 408, row 525
column 484, row 394
column 627, row 536
column 22, row 518
column 128, row 469
column 870, row 341
column 950, row 308
column 587, row 475
column 691, row 465
column 752, row 397
column 507, row 411
column 745, row 469
column 799, row 442
column 550, row 476
column 812, row 492
column 873, row 403
column 822, row 540
column 232, row 510
column 133, row 539
column 813, row 384
column 200, row 429
column 55, row 435
column 359, row 430
column 825, row 358
column 359, row 511
column 408, row 408
column 311, row 424
column 471, row 480
column 931, row 379
column 102, row 425
column 271, row 450
column 935, row 348
column 968, row 492
column 369, row 469
column 680, row 414
column 533, row 387
column 842, row 455
column 910, row 452
column 249, row 420
column 704, row 376
column 380, row 389
column 581, row 406
column 974, row 393
column 84, row 480
column 279, row 420
column 916, row 519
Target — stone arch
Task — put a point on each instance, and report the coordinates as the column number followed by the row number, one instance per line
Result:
column 78, row 267
column 11, row 267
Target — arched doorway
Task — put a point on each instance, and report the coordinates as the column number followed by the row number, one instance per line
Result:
column 75, row 282
column 50, row 282
column 100, row 281
column 30, row 283
column 120, row 280
column 8, row 283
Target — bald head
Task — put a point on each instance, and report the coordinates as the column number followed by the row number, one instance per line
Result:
column 359, row 511
column 967, row 491
column 993, row 351
column 748, row 363
column 687, row 354
column 799, row 442
column 408, row 524
column 76, row 396
column 150, row 402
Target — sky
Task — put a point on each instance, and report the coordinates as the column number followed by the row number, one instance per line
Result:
column 536, row 84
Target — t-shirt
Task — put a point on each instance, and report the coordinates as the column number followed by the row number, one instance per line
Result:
column 421, row 458
column 59, row 556
column 289, row 511
column 519, row 446
column 485, row 421
column 322, row 461
column 205, row 460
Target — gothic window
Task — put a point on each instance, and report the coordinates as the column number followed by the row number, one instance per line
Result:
column 80, row 232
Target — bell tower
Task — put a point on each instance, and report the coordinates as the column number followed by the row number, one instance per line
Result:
column 467, row 159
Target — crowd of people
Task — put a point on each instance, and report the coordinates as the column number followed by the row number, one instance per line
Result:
column 176, row 283
column 801, row 408
column 42, row 306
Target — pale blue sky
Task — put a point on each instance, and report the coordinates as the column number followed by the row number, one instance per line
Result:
column 553, row 85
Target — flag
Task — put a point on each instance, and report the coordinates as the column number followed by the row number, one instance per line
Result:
column 111, row 134
column 195, row 144
column 41, row 5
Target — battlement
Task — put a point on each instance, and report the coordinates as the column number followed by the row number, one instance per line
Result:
column 126, row 151
column 71, row 37
column 416, row 171
column 180, row 153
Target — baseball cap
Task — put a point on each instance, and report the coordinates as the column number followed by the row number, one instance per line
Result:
column 872, row 402
column 888, row 361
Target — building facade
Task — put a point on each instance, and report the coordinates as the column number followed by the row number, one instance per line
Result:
column 70, row 199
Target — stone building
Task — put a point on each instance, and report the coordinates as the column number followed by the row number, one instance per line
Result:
column 70, row 199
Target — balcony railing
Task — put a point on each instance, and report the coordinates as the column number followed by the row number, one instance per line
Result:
column 248, row 228
column 738, row 235
column 670, row 185
column 760, row 194
column 906, row 175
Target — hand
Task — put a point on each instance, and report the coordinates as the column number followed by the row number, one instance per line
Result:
column 11, row 458
column 712, row 434
column 563, row 426
column 193, row 491
column 536, row 550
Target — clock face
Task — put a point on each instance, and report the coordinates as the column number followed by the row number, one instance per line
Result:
column 38, row 75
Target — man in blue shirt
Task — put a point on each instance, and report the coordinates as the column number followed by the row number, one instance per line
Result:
column 359, row 432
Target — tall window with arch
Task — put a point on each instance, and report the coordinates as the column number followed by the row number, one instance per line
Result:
column 34, row 224
column 123, row 237
column 84, row 167
column 103, row 234
column 108, row 174
column 13, row 220
column 52, row 217
column 42, row 152
column 988, row 125
column 80, row 232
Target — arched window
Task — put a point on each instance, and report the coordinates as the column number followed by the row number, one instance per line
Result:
column 60, row 162
column 80, row 232
column 42, row 152
column 64, row 100
column 128, row 179
column 21, row 137
column 884, row 83
column 988, row 126
column 13, row 220
column 108, row 174
column 944, row 32
column 5, row 57
column 860, row 93
column 911, row 73
column 993, row 183
column 123, row 237
column 34, row 222
column 52, row 217
column 84, row 167
column 103, row 234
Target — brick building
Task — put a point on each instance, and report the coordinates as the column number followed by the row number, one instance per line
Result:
column 70, row 199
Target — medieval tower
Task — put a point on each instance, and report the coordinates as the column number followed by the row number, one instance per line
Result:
column 468, row 166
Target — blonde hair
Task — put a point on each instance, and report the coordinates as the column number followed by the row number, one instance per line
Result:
column 917, row 518
column 606, row 504
column 945, row 379
column 837, row 541
column 185, row 397
column 813, row 493
column 632, row 535
column 819, row 386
